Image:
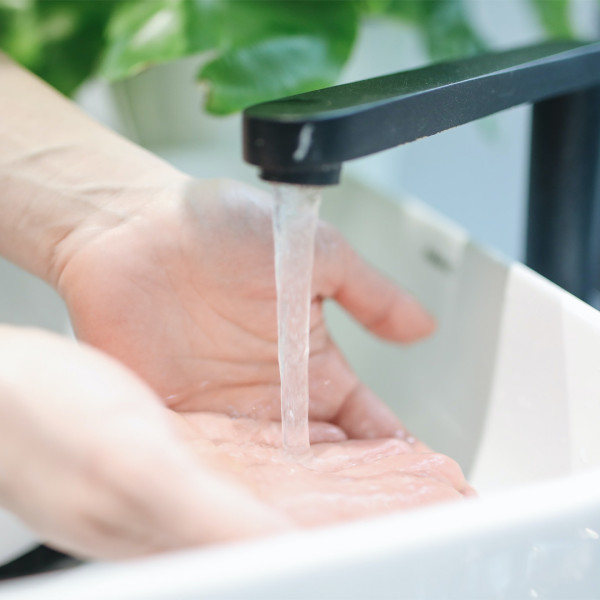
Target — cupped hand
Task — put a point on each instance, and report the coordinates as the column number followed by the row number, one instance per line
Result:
column 91, row 463
column 334, row 482
column 183, row 292
column 97, row 466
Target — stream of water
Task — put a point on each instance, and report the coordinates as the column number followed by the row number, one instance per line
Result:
column 294, row 225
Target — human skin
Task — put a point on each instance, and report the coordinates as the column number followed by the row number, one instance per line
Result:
column 90, row 461
column 174, row 278
column 208, row 295
column 335, row 481
column 96, row 465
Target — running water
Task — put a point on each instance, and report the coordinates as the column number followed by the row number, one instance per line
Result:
column 294, row 225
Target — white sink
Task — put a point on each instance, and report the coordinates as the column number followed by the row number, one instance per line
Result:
column 509, row 386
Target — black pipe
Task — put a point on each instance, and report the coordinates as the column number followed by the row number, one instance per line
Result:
column 563, row 228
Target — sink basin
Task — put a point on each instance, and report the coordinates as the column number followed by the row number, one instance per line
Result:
column 509, row 386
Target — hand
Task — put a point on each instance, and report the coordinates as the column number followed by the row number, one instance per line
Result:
column 183, row 292
column 338, row 482
column 98, row 467
column 175, row 276
column 91, row 463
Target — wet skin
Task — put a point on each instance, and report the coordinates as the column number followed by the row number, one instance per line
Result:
column 337, row 481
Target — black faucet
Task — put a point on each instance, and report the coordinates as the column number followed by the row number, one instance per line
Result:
column 304, row 139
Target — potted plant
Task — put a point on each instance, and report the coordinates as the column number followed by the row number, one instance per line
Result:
column 228, row 54
column 252, row 50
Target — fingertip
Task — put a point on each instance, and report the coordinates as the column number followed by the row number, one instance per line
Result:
column 379, row 304
column 413, row 442
column 469, row 492
column 321, row 433
column 425, row 323
column 364, row 416
column 405, row 321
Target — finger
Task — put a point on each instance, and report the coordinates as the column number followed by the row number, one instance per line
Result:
column 218, row 427
column 337, row 396
column 366, row 294
column 158, row 499
column 198, row 505
column 364, row 416
column 325, row 433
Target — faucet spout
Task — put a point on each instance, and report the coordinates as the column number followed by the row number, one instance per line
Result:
column 305, row 139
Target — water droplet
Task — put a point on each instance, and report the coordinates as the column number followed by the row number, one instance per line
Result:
column 533, row 593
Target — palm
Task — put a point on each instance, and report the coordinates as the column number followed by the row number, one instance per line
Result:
column 184, row 294
column 346, row 480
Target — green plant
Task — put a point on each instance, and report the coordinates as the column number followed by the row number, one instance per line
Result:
column 255, row 49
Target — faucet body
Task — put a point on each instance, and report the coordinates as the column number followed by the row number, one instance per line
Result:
column 304, row 139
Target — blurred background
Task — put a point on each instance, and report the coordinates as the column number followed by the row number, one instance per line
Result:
column 475, row 174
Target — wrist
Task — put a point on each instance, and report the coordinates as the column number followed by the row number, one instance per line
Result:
column 62, row 174
column 115, row 208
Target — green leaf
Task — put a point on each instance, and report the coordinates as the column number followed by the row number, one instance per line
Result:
column 73, row 40
column 266, row 70
column 247, row 21
column 59, row 40
column 141, row 34
column 275, row 48
column 15, row 4
column 443, row 24
column 448, row 32
column 16, row 39
column 554, row 16
column 411, row 11
column 374, row 7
